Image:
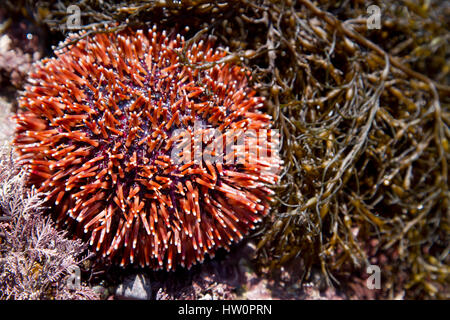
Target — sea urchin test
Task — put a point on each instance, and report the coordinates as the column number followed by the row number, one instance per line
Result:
column 137, row 147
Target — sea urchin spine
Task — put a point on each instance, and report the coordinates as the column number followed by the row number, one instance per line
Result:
column 101, row 124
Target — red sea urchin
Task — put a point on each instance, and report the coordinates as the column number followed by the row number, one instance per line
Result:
column 107, row 132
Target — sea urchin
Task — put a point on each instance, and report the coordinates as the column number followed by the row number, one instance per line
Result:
column 138, row 151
